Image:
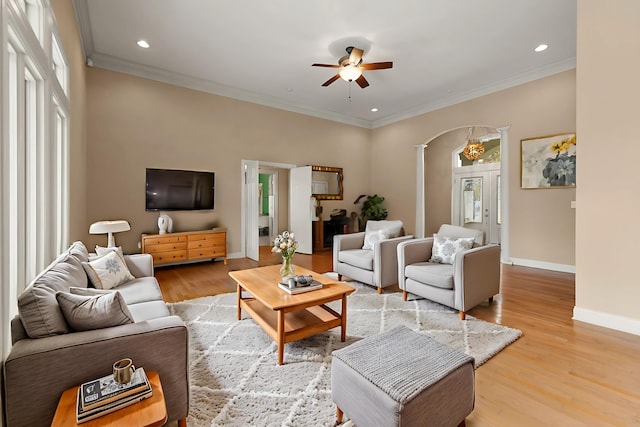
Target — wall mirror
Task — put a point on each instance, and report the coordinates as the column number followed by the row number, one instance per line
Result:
column 326, row 183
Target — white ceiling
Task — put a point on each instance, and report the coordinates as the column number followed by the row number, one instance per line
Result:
column 443, row 51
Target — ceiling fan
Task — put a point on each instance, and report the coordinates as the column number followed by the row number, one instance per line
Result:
column 351, row 67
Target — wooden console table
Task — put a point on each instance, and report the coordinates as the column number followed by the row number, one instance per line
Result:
column 186, row 246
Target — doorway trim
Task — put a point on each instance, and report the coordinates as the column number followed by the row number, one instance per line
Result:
column 247, row 210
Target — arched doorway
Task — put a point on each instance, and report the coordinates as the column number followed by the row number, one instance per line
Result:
column 421, row 206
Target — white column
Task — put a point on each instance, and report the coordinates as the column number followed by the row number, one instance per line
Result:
column 420, row 200
column 505, row 257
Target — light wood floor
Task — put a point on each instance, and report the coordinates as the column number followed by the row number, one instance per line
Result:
column 559, row 373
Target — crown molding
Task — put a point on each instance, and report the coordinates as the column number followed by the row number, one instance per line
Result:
column 448, row 101
column 144, row 71
column 203, row 85
column 84, row 27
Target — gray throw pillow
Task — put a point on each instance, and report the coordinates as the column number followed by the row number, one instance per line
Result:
column 85, row 313
column 445, row 248
column 37, row 305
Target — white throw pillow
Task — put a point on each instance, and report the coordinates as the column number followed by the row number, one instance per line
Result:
column 393, row 227
column 445, row 248
column 86, row 313
column 102, row 251
column 108, row 271
column 370, row 237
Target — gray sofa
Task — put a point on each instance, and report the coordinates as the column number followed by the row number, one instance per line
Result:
column 47, row 357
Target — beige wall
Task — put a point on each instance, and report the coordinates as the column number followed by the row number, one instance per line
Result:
column 607, row 123
column 65, row 17
column 542, row 221
column 134, row 123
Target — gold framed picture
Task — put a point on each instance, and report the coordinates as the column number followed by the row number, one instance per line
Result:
column 548, row 161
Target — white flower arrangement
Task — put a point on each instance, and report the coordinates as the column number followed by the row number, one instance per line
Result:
column 285, row 244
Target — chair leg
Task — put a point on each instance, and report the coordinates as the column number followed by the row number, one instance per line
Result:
column 490, row 300
column 339, row 414
column 379, row 291
column 339, row 277
column 404, row 295
column 463, row 315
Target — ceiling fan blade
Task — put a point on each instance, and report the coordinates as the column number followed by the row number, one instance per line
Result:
column 331, row 80
column 377, row 65
column 355, row 56
column 325, row 65
column 362, row 82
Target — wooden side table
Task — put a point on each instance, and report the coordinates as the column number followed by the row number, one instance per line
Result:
column 149, row 412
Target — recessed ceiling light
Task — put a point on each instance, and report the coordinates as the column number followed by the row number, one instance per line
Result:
column 143, row 44
column 374, row 109
column 541, row 47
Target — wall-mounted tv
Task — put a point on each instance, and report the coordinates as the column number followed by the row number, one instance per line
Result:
column 179, row 190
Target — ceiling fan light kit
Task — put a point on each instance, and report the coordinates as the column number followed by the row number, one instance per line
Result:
column 351, row 67
column 350, row 73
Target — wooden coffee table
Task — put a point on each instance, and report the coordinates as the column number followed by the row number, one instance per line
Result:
column 284, row 317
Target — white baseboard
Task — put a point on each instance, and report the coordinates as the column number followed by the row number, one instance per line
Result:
column 543, row 265
column 235, row 255
column 611, row 321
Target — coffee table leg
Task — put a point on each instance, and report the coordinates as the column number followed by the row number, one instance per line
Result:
column 280, row 337
column 239, row 295
column 343, row 327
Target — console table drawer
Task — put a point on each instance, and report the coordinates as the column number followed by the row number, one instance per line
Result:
column 171, row 256
column 158, row 240
column 208, row 236
column 164, row 247
column 209, row 243
column 204, row 253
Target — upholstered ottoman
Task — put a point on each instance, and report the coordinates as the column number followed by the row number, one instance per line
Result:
column 402, row 378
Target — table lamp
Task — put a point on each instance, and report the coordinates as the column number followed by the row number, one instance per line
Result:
column 109, row 227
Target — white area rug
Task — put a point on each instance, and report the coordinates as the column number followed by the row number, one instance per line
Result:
column 236, row 380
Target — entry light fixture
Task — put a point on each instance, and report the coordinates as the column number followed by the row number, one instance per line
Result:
column 474, row 148
column 143, row 44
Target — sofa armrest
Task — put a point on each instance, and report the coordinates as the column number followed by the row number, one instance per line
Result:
column 476, row 275
column 37, row 371
column 140, row 265
column 411, row 252
column 343, row 242
column 385, row 260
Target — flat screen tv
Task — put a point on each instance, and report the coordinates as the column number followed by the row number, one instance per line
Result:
column 179, row 190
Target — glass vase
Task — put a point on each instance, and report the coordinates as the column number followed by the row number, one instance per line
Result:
column 287, row 269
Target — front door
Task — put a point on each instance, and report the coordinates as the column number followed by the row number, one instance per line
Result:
column 476, row 200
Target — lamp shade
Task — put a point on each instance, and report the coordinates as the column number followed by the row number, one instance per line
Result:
column 103, row 227
column 109, row 227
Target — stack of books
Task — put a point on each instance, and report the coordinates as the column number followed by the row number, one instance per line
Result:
column 104, row 395
column 302, row 284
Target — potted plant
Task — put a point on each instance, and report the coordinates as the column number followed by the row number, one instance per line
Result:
column 371, row 209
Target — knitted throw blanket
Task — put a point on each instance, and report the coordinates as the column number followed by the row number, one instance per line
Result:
column 402, row 362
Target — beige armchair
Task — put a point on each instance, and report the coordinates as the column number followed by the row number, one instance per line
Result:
column 370, row 257
column 473, row 277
